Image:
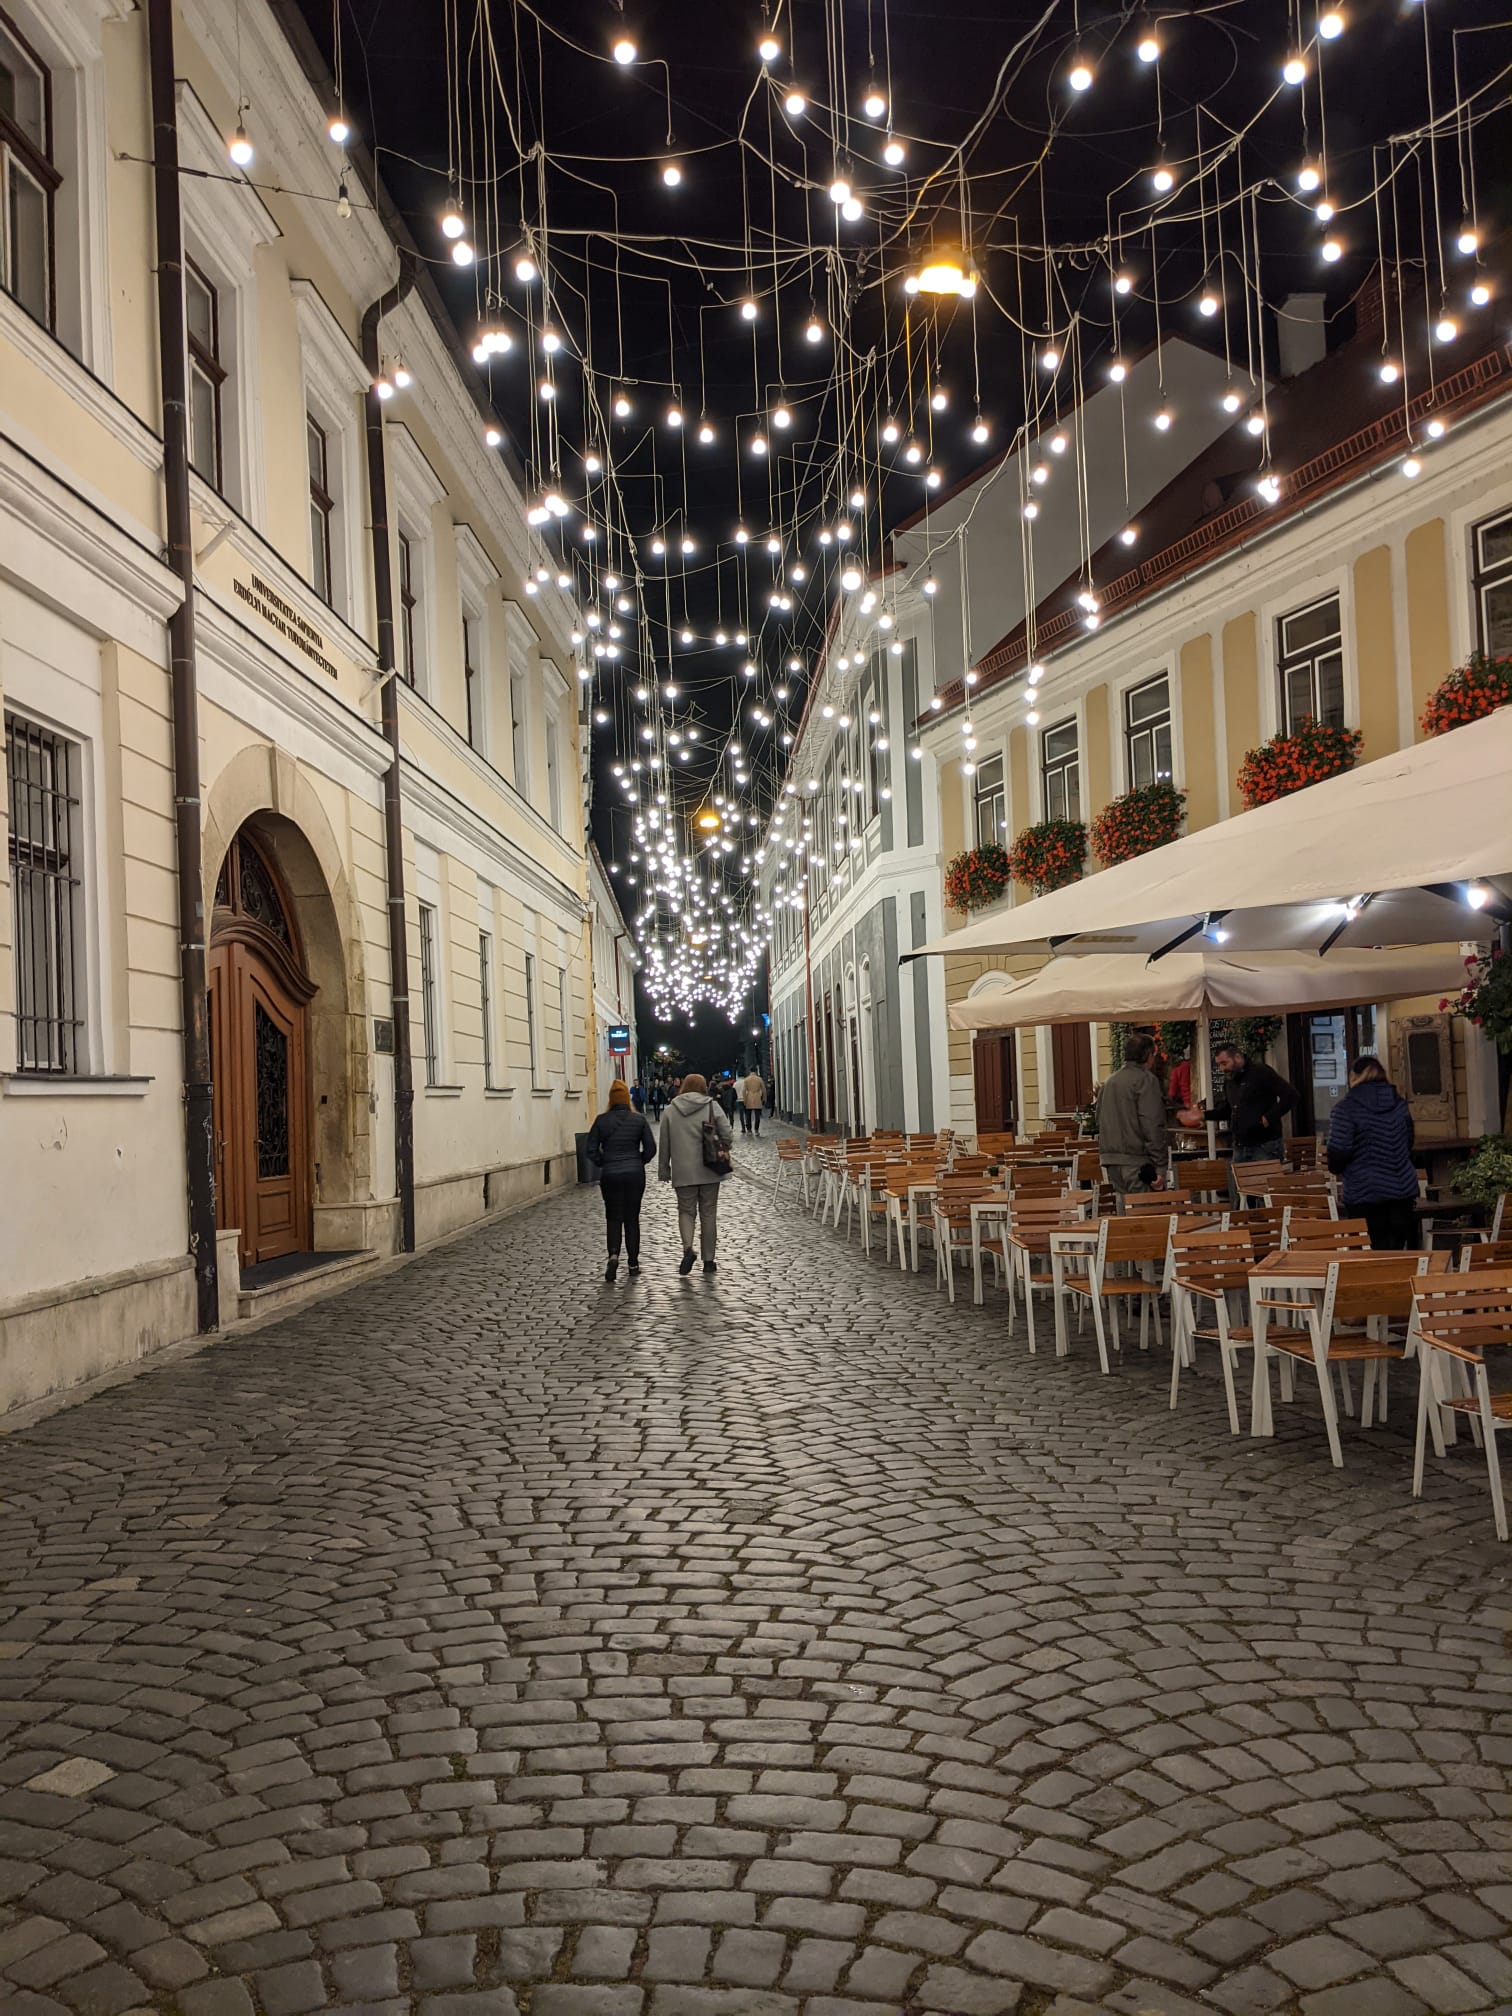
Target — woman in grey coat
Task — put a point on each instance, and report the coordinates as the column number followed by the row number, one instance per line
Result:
column 680, row 1162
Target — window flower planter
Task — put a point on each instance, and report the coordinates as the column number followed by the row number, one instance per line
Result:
column 976, row 878
column 1290, row 763
column 1477, row 689
column 1049, row 855
column 1141, row 819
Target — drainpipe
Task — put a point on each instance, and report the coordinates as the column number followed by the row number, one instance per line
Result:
column 808, row 991
column 173, row 369
column 393, row 803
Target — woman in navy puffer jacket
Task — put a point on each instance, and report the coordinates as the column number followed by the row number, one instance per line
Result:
column 1370, row 1146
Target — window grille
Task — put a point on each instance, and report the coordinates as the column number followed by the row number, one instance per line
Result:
column 43, row 770
column 428, row 993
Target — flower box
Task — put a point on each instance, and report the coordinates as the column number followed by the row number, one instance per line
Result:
column 1145, row 817
column 1049, row 855
column 1290, row 763
column 976, row 878
column 1478, row 688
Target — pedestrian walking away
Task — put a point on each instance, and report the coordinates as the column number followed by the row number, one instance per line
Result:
column 1370, row 1147
column 752, row 1089
column 1254, row 1100
column 620, row 1143
column 691, row 1126
column 1131, row 1123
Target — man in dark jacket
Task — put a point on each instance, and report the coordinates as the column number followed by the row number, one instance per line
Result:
column 621, row 1143
column 1131, row 1125
column 1254, row 1100
column 1370, row 1146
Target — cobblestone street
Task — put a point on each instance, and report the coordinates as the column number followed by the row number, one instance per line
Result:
column 778, row 1643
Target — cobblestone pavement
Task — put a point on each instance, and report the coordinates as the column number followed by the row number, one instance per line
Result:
column 490, row 1640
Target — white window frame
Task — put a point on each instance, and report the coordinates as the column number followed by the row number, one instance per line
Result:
column 533, row 1020
column 1121, row 698
column 1478, row 583
column 415, row 491
column 1072, row 720
column 554, row 768
column 476, row 578
column 486, row 1007
column 334, row 384
column 999, row 837
column 1279, row 659
column 225, row 225
column 521, row 641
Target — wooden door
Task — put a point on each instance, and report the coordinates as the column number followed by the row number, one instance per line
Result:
column 261, row 1105
column 1070, row 1065
column 995, row 1073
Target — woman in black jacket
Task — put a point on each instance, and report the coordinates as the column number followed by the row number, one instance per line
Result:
column 621, row 1143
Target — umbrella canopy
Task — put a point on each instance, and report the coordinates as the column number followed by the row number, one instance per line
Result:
column 1411, row 832
column 1114, row 987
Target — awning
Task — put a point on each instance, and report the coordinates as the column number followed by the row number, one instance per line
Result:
column 1112, row 987
column 1410, row 832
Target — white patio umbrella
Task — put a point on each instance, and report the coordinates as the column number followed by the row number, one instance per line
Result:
column 1188, row 986
column 1394, row 853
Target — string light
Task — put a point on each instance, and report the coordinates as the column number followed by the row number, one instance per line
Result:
column 1293, row 70
column 339, row 130
column 1080, row 75
column 1148, row 49
column 795, row 104
column 874, row 105
column 624, row 50
column 239, row 147
column 1331, row 25
column 769, row 49
column 894, row 153
column 672, row 174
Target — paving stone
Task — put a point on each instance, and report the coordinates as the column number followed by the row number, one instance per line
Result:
column 838, row 1673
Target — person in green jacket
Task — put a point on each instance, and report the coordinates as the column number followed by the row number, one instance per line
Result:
column 1131, row 1122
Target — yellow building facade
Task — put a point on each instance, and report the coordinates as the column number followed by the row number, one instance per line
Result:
column 94, row 1266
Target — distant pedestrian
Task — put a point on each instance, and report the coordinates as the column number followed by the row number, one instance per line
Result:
column 621, row 1143
column 693, row 1130
column 752, row 1099
column 771, row 1098
column 1131, row 1125
column 1254, row 1101
column 1370, row 1147
column 727, row 1095
column 638, row 1096
column 658, row 1098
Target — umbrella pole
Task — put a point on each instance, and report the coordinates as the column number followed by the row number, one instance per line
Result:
column 1204, row 1077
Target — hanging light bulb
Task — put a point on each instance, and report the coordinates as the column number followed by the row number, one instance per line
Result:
column 795, row 104
column 782, row 419
column 1163, row 177
column 980, row 430
column 339, row 130
column 1293, row 70
column 624, row 50
column 1446, row 329
column 934, row 479
column 525, row 269
column 343, row 200
column 813, row 330
column 622, row 407
column 1256, row 422
column 850, row 579
column 852, row 210
column 239, row 147
column 383, row 387
column 1411, row 467
column 705, row 432
column 839, row 191
column 592, row 462
column 1118, row 371
column 758, row 444
column 1324, row 211
column 894, row 152
column 1332, row 251
column 1031, row 509
column 1309, row 177
column 453, row 224
column 1049, row 358
column 462, row 253
column 1128, row 535
column 890, row 431
column 1080, row 75
column 939, row 398
column 672, row 174
column 1331, row 25
column 1208, row 304
column 913, row 453
column 1231, row 401
column 874, row 105
column 1163, row 420
column 1389, row 372
column 1468, row 240
column 769, row 48
column 1058, row 443
column 403, row 376
column 492, row 436
column 1480, row 294
column 748, row 310
column 551, row 342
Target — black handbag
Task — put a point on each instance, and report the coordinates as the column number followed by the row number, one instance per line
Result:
column 716, row 1156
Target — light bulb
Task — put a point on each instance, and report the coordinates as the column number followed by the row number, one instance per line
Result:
column 1208, row 305
column 1324, row 211
column 1480, row 294
column 403, row 377
column 1049, row 358
column 1331, row 25
column 624, row 50
column 671, row 174
column 890, row 431
column 931, row 586
column 758, row 444
column 782, row 419
column 795, row 104
column 839, row 191
column 1079, row 76
column 1123, row 283
column 526, row 269
column 688, row 545
column 1256, row 423
column 240, row 147
column 1031, row 509
column 1231, row 402
column 850, row 579
column 1468, row 239
column 768, row 49
column 592, row 462
column 1446, row 329
column 622, row 405
column 748, row 310
column 705, row 432
column 874, row 105
column 551, row 342
column 1032, row 717
column 383, row 388
column 339, row 130
column 1118, row 371
column 452, row 222
column 1040, row 473
column 939, row 398
column 343, row 199
column 1389, row 372
column 1477, row 895
column 893, row 153
column 1128, row 535
column 913, row 453
column 1411, row 467
column 492, row 436
column 1309, row 177
column 1293, row 70
column 934, row 479
column 774, row 546
column 1332, row 251
column 1435, row 429
column 1163, row 178
column 546, row 389
column 979, row 431
column 852, row 210
column 1148, row 49
column 814, row 330
column 462, row 253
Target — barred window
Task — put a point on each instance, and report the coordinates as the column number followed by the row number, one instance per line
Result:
column 532, row 1020
column 432, row 1026
column 43, row 770
column 486, row 1004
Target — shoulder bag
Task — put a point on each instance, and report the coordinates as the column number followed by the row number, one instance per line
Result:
column 716, row 1156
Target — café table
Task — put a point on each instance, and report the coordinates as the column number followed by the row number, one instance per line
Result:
column 1298, row 1273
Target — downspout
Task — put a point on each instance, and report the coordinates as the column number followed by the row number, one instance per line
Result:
column 808, row 989
column 173, row 369
column 393, row 802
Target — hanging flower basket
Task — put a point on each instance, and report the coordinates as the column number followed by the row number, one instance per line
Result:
column 1049, row 855
column 976, row 878
column 1478, row 688
column 1253, row 1034
column 1146, row 817
column 1485, row 1000
column 1289, row 763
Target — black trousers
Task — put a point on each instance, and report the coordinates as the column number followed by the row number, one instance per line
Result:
column 622, row 1206
column 1393, row 1227
column 745, row 1119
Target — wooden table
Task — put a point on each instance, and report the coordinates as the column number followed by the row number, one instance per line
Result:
column 1302, row 1273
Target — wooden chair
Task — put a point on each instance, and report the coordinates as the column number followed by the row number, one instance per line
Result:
column 1493, row 1253
column 1371, row 1290
column 1256, row 1179
column 1139, row 1242
column 1263, row 1223
column 1035, row 1179
column 1155, row 1203
column 1294, row 1185
column 970, row 1165
column 1455, row 1322
column 790, row 1156
column 1300, row 1228
column 1033, row 1220
column 1303, row 1151
column 1207, row 1267
column 954, row 1197
column 897, row 1178
column 1203, row 1176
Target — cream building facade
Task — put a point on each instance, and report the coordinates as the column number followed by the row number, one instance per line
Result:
column 1352, row 598
column 615, row 962
column 295, row 876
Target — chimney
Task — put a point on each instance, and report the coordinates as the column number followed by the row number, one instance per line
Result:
column 1301, row 338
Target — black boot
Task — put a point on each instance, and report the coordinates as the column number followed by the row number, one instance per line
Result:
column 711, row 1266
column 685, row 1265
column 612, row 1268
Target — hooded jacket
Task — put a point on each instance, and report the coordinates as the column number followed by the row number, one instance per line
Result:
column 1131, row 1125
column 1370, row 1145
column 620, row 1141
column 681, row 1156
column 1254, row 1104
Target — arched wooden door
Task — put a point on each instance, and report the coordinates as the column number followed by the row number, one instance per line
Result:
column 259, row 1044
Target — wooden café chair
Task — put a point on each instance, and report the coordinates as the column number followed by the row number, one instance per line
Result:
column 1370, row 1289
column 1208, row 1266
column 1138, row 1242
column 1456, row 1320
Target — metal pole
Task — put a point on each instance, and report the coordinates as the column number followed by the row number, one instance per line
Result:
column 173, row 368
column 393, row 800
